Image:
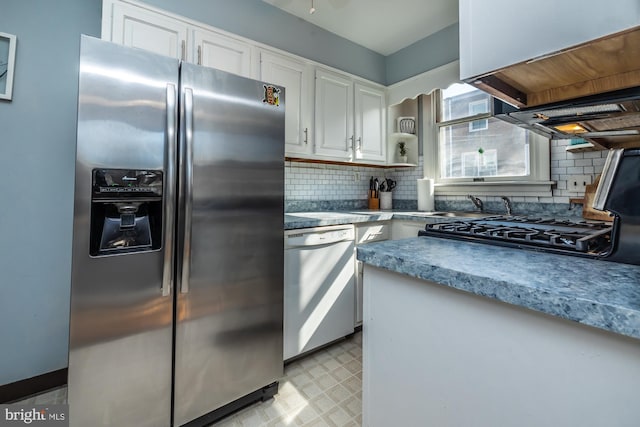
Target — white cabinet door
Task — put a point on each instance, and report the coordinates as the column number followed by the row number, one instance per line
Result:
column 219, row 51
column 138, row 27
column 370, row 108
column 405, row 229
column 295, row 76
column 528, row 30
column 334, row 115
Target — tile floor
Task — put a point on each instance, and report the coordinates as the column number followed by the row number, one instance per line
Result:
column 321, row 389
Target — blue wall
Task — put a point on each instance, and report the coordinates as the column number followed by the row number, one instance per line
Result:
column 259, row 21
column 37, row 147
column 37, row 158
column 431, row 52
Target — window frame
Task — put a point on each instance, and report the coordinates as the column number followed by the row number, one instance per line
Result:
column 536, row 183
column 485, row 122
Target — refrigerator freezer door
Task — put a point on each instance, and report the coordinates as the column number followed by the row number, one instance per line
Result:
column 229, row 301
column 121, row 308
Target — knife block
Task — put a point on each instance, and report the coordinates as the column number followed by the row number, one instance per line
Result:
column 374, row 202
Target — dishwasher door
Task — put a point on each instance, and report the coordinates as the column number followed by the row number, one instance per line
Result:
column 319, row 287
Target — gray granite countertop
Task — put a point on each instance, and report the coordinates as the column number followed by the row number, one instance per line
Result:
column 295, row 220
column 602, row 294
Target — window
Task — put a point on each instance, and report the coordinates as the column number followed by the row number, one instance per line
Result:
column 479, row 164
column 478, row 107
column 474, row 149
column 473, row 144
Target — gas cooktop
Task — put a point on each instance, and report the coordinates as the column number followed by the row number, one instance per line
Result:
column 584, row 238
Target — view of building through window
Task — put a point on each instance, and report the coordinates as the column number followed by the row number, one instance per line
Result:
column 472, row 143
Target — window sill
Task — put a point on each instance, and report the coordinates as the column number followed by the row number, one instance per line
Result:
column 496, row 188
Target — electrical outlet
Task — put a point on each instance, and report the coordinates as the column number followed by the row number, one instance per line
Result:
column 578, row 183
column 356, row 176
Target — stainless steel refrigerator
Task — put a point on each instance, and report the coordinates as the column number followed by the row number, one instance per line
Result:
column 177, row 277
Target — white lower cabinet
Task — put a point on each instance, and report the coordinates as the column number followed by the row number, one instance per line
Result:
column 404, row 229
column 436, row 356
column 365, row 233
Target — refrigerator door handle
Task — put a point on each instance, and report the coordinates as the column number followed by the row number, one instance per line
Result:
column 170, row 189
column 188, row 188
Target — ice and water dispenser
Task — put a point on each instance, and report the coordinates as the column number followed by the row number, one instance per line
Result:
column 126, row 211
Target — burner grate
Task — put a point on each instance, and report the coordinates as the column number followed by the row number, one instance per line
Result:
column 546, row 234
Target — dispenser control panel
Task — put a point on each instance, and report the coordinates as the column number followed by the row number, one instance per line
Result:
column 126, row 183
column 126, row 211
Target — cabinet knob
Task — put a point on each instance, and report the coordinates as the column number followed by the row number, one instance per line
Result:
column 306, row 135
column 199, row 55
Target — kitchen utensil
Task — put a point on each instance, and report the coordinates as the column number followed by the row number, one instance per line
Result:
column 587, row 205
column 391, row 184
column 407, row 125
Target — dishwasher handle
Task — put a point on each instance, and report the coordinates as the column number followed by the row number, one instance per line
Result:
column 319, row 238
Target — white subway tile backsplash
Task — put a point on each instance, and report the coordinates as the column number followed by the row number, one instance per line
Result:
column 592, row 154
column 575, row 170
column 316, row 181
column 584, row 162
column 310, row 181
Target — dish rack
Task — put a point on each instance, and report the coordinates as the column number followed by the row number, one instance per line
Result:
column 406, row 125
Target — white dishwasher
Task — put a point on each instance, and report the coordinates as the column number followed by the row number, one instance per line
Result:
column 319, row 293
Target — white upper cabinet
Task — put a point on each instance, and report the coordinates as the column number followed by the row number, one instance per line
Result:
column 219, row 51
column 334, row 115
column 350, row 119
column 136, row 27
column 370, row 129
column 296, row 77
column 329, row 115
column 498, row 33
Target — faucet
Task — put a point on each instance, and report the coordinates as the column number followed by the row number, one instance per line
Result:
column 507, row 204
column 476, row 202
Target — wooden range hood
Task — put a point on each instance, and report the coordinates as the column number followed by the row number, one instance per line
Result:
column 602, row 65
column 589, row 70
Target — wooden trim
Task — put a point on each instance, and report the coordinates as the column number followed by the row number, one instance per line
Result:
column 620, row 81
column 602, row 65
column 499, row 89
column 336, row 162
column 24, row 388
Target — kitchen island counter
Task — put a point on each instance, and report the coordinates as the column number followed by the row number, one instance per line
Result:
column 458, row 333
column 597, row 293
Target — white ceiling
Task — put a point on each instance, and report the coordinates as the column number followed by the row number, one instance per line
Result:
column 384, row 26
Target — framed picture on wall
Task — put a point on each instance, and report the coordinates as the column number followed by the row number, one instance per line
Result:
column 7, row 63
